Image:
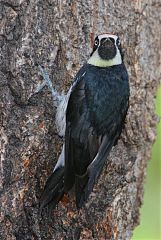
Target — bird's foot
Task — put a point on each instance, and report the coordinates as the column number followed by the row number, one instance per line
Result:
column 47, row 82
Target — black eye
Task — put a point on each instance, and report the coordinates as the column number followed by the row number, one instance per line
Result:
column 118, row 42
column 96, row 42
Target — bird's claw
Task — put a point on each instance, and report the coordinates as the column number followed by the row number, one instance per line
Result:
column 47, row 82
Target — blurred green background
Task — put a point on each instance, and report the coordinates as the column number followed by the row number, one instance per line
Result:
column 150, row 222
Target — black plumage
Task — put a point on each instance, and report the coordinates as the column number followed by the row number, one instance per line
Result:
column 95, row 116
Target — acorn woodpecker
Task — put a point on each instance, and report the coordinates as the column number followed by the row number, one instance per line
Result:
column 91, row 117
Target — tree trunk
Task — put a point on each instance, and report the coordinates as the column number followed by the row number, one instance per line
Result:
column 57, row 34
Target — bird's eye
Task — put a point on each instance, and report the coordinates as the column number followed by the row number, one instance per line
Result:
column 96, row 42
column 118, row 42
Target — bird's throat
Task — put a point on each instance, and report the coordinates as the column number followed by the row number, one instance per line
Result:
column 95, row 60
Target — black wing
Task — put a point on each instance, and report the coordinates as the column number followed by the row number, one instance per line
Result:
column 94, row 118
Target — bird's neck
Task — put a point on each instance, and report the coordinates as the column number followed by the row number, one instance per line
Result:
column 95, row 60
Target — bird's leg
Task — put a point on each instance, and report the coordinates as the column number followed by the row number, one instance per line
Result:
column 57, row 98
column 60, row 101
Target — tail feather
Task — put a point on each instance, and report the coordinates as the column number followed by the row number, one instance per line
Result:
column 53, row 190
column 80, row 184
column 85, row 183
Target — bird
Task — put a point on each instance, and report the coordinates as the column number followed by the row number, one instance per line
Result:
column 91, row 118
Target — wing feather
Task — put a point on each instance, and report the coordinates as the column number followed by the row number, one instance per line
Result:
column 93, row 125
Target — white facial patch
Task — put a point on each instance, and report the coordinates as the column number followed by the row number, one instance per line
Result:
column 96, row 60
column 106, row 35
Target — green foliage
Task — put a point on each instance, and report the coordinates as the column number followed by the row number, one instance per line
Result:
column 150, row 225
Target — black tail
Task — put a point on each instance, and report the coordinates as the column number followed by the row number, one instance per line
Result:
column 80, row 184
column 84, row 184
column 53, row 190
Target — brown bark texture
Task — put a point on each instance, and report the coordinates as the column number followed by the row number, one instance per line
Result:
column 57, row 34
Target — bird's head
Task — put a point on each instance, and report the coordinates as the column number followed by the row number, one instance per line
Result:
column 107, row 51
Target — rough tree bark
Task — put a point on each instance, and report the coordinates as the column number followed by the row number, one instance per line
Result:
column 57, row 34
